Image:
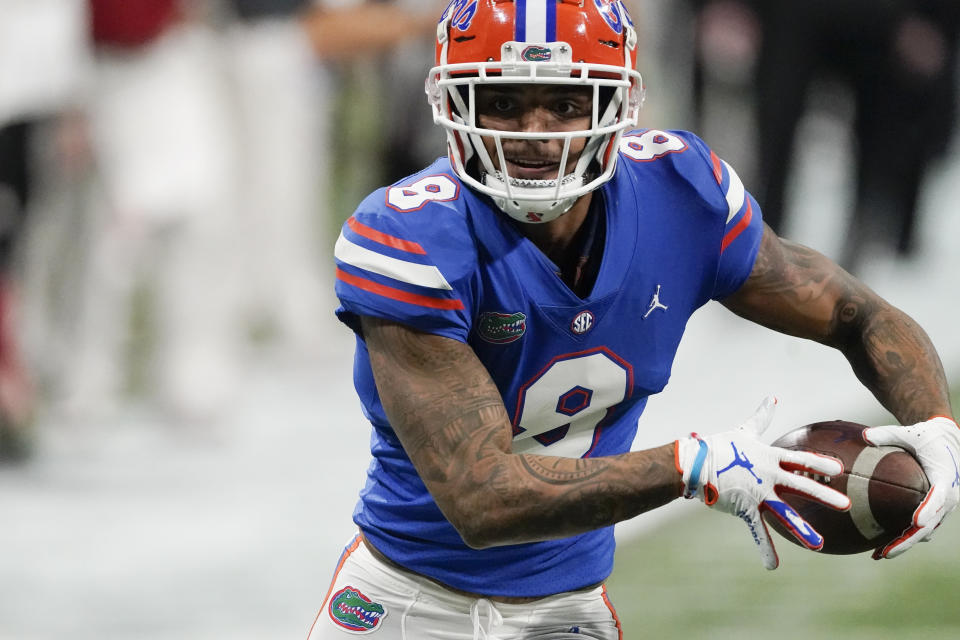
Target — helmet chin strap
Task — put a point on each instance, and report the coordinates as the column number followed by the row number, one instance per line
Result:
column 532, row 209
column 524, row 199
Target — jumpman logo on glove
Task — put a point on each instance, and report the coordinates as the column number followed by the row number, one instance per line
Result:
column 740, row 460
column 956, row 470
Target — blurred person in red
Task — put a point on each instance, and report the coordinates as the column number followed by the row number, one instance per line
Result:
column 207, row 124
column 162, row 226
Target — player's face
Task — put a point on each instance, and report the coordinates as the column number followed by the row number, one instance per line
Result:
column 534, row 108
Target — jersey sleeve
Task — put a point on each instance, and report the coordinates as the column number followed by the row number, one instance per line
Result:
column 414, row 266
column 742, row 233
column 743, row 226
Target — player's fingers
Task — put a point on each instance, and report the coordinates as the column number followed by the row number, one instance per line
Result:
column 887, row 435
column 758, row 530
column 903, row 543
column 768, row 553
column 810, row 462
column 926, row 518
column 947, row 496
column 761, row 418
column 932, row 510
column 796, row 525
column 810, row 488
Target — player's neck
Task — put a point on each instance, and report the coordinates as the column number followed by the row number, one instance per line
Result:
column 554, row 237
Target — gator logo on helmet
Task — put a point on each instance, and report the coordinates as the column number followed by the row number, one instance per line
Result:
column 535, row 53
column 355, row 612
column 501, row 328
column 613, row 12
column 462, row 12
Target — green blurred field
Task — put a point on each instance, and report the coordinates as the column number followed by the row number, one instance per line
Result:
column 699, row 576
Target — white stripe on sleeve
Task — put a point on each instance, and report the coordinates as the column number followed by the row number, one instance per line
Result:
column 736, row 194
column 422, row 275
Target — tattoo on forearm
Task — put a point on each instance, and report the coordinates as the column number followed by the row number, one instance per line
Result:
column 894, row 358
column 562, row 470
column 796, row 290
column 590, row 498
column 451, row 421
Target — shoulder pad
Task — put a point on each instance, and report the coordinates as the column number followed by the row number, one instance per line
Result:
column 686, row 157
column 407, row 254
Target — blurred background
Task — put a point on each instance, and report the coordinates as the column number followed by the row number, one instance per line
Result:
column 180, row 444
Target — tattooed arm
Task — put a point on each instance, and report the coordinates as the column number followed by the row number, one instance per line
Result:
column 451, row 420
column 797, row 291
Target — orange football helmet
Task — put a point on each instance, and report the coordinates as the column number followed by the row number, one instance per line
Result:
column 590, row 43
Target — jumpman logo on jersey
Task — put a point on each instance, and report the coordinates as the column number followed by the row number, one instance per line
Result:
column 655, row 303
column 740, row 460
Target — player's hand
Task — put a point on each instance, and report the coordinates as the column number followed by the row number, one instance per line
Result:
column 936, row 445
column 737, row 474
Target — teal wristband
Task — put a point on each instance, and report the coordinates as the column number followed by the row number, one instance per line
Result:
column 695, row 470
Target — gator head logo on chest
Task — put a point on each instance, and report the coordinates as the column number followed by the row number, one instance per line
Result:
column 501, row 328
column 354, row 611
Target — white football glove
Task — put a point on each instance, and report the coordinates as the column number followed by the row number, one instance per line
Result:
column 936, row 445
column 737, row 474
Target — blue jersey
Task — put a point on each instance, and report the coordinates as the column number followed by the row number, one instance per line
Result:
column 575, row 374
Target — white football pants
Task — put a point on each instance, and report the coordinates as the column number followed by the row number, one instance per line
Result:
column 368, row 596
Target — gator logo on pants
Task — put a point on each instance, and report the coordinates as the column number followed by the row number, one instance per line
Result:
column 354, row 611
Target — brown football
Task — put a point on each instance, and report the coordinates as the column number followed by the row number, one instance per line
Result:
column 885, row 486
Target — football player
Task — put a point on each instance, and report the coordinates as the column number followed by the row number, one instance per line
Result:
column 516, row 303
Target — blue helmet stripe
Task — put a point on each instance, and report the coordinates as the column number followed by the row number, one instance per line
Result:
column 520, row 22
column 551, row 21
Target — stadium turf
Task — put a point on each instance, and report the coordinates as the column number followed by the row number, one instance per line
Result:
column 699, row 576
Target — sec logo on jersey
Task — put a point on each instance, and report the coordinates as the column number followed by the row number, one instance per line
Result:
column 582, row 323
